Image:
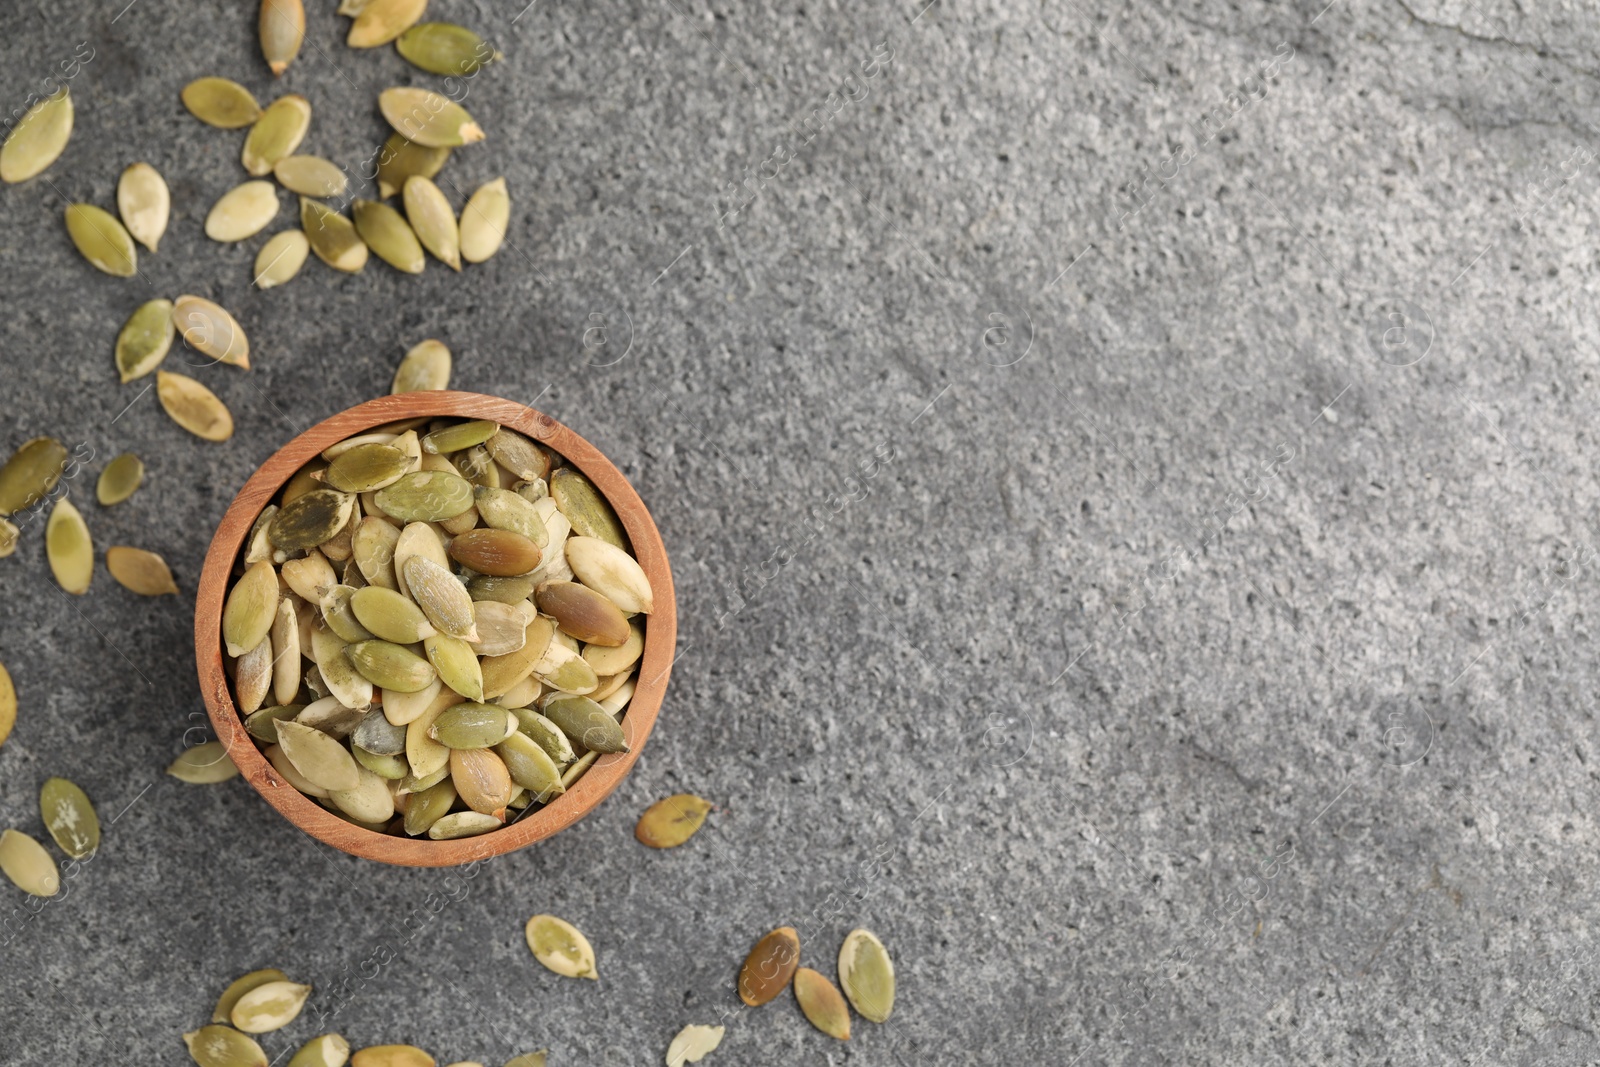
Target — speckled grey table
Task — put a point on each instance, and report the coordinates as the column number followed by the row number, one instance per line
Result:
column 1126, row 469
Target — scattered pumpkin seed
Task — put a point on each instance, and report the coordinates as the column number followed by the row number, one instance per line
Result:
column 444, row 48
column 70, row 817
column 670, row 822
column 769, row 967
column 399, row 159
column 310, row 519
column 269, row 1006
column 463, row 824
column 139, row 571
column 239, row 987
column 310, row 176
column 282, row 28
column 332, row 237
column 102, row 240
column 425, row 367
column 30, row 868
column 822, row 1003
column 210, row 330
column 693, row 1044
column 281, row 258
column 329, row 1050
column 119, row 479
column 558, row 945
column 144, row 339
column 389, row 236
column 193, row 406
column 586, row 722
column 527, row 1059
column 484, row 221
column 426, row 118
column 38, row 139
column 204, row 764
column 8, row 704
column 242, row 211
column 219, row 102
column 8, row 537
column 276, row 134
column 31, row 472
column 381, row 21
column 221, row 1046
column 866, row 974
column 69, row 548
column 432, row 220
column 144, row 203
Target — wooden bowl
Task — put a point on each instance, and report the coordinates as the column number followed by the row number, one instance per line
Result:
column 590, row 789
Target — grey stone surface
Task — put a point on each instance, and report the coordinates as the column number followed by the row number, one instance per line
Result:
column 1172, row 655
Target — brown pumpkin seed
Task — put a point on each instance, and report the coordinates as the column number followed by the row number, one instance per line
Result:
column 443, row 48
column 432, row 220
column 769, row 967
column 693, row 1044
column 387, row 233
column 310, row 519
column 194, row 407
column 31, row 472
column 558, row 945
column 242, row 212
column 670, row 822
column 582, row 612
column 426, row 118
column 119, row 479
column 332, row 237
column 204, row 764
column 500, row 673
column 39, row 139
column 282, row 28
column 211, row 331
column 866, row 974
column 281, row 258
column 102, row 240
column 144, row 203
column 481, row 779
column 144, row 339
column 69, row 548
column 822, row 1003
column 239, row 987
column 381, row 21
column 587, row 723
column 399, row 159
column 219, row 102
column 269, row 1006
column 30, row 868
column 484, row 221
column 276, row 134
column 139, row 571
column 500, row 553
column 70, row 817
column 425, row 367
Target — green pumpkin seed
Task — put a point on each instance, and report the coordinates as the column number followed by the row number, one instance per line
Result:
column 463, row 824
column 387, row 233
column 367, row 468
column 429, row 806
column 460, row 435
column 281, row 27
column 558, row 945
column 145, row 203
column 379, row 736
column 211, row 331
column 242, row 211
column 392, row 666
column 31, row 472
column 381, row 21
column 477, row 467
column 263, row 724
column 239, row 987
column 269, row 1006
column 432, row 220
column 426, row 496
column 319, row 758
column 530, row 766
column 501, row 590
column 193, row 406
column 220, row 1046
column 425, row 367
column 338, row 611
column 471, row 725
column 443, row 48
column 590, row 514
column 866, row 974
column 219, row 102
column 144, row 339
column 390, row 616
column 546, row 734
column 670, row 822
column 332, row 237
column 102, row 240
column 281, row 258
column 311, row 519
column 426, row 118
column 70, row 817
column 276, row 134
column 389, row 768
column 693, row 1044
column 586, row 722
column 204, row 764
column 139, row 571
column 399, row 159
column 370, row 801
column 329, row 1050
column 39, row 139
column 457, row 664
column 69, row 548
column 484, row 221
column 582, row 612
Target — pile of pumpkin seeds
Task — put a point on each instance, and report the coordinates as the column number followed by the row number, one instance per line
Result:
column 435, row 624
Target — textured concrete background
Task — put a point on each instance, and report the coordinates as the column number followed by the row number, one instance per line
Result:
column 1160, row 617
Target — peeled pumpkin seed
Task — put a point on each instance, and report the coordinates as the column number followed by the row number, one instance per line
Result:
column 481, row 779
column 518, row 455
column 582, row 612
column 310, row 519
column 441, row 597
column 444, row 48
column 370, row 801
column 69, row 817
column 426, row 496
column 333, row 452
column 521, row 696
column 145, row 203
column 69, row 548
column 608, row 662
column 310, row 176
column 389, row 768
column 219, row 102
column 392, row 666
column 387, row 233
column 253, row 677
column 586, row 722
column 367, row 468
column 529, row 765
column 425, row 367
column 304, row 481
column 693, row 1044
column 329, row 1050
column 429, row 806
column 546, row 734
column 194, row 407
column 502, row 628
column 610, row 571
column 471, row 725
column 239, row 987
column 30, row 868
column 332, row 237
column 242, row 211
column 102, row 240
column 281, row 764
column 276, row 134
column 527, row 1059
column 562, row 668
column 417, row 539
column 670, row 822
column 558, row 945
column 501, row 590
column 373, row 549
column 320, row 759
column 31, row 472
column 378, row 735
column 501, row 553
column 822, row 1004
column 390, row 616
column 204, row 764
column 8, row 537
column 119, row 479
column 8, row 704
column 399, row 159
column 619, row 699
column 432, row 220
column 769, row 967
column 144, row 339
column 426, row 118
column 210, row 330
column 425, row 755
column 344, row 682
column 281, row 258
column 866, row 974
column 282, row 28
column 221, row 1046
column 463, row 824
column 484, row 221
column 269, row 1006
column 38, row 139
column 263, row 724
column 457, row 664
column 311, row 577
column 500, row 673
column 585, row 508
column 286, row 661
column 501, row 509
column 381, row 21
column 139, row 571
column 460, row 435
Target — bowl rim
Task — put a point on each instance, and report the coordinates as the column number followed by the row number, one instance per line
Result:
column 651, row 675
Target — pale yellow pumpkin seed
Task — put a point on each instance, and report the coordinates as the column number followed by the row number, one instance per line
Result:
column 144, row 203
column 558, row 945
column 281, row 258
column 310, row 176
column 194, row 407
column 276, row 134
column 280, row 763
column 253, row 677
column 69, row 548
column 139, row 571
column 8, row 537
column 38, row 139
column 282, row 28
column 332, row 237
column 426, row 118
column 219, row 102
column 444, row 48
column 242, row 211
column 239, row 987
column 527, row 1059
column 145, row 339
column 30, row 868
column 329, row 1050
column 269, row 1006
column 8, row 704
column 204, row 764
column 425, row 367
column 210, row 330
column 432, row 220
column 399, row 159
column 381, row 21
column 610, row 571
column 222, row 1046
column 484, row 221
column 866, row 974
column 693, row 1044
column 102, row 240
column 610, row 662
column 388, row 235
